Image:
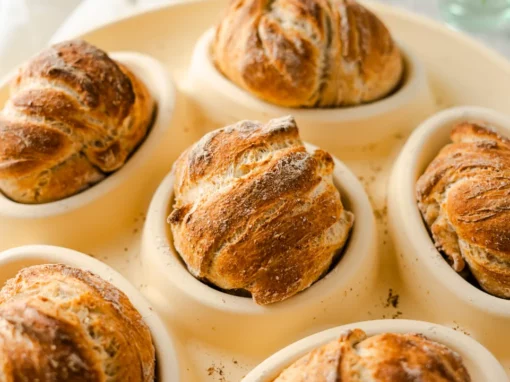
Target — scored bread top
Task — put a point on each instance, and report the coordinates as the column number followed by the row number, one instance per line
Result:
column 384, row 357
column 315, row 53
column 464, row 196
column 74, row 115
column 60, row 323
column 254, row 210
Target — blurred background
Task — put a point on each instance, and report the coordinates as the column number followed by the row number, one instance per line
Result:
column 26, row 26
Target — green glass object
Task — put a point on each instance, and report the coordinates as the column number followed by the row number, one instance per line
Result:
column 476, row 15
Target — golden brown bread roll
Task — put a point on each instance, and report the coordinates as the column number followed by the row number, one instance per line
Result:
column 59, row 323
column 73, row 117
column 315, row 53
column 381, row 358
column 253, row 210
column 464, row 197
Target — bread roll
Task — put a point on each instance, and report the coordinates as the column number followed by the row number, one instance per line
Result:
column 380, row 358
column 73, row 117
column 59, row 323
column 253, row 210
column 315, row 53
column 464, row 196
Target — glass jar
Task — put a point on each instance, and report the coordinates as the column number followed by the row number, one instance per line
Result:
column 476, row 15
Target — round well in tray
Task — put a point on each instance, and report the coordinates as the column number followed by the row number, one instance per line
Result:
column 157, row 80
column 226, row 103
column 13, row 260
column 425, row 272
column 349, row 280
column 55, row 222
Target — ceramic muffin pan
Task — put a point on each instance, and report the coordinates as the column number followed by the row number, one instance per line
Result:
column 226, row 103
column 13, row 260
column 121, row 222
column 480, row 363
column 195, row 303
column 426, row 273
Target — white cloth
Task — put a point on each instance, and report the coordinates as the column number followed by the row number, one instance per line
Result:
column 93, row 13
column 26, row 26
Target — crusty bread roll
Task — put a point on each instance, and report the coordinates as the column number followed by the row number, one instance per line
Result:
column 381, row 358
column 253, row 210
column 59, row 323
column 73, row 117
column 464, row 197
column 315, row 53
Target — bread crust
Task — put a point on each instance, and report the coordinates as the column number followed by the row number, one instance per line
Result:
column 74, row 116
column 60, row 323
column 385, row 357
column 313, row 53
column 254, row 210
column 464, row 196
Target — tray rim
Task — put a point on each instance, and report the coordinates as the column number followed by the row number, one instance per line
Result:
column 399, row 12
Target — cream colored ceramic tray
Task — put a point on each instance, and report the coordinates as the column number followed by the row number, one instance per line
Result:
column 221, row 338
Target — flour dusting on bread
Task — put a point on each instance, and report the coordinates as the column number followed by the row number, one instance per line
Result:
column 317, row 53
column 74, row 116
column 254, row 210
column 59, row 323
column 395, row 357
column 464, row 199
